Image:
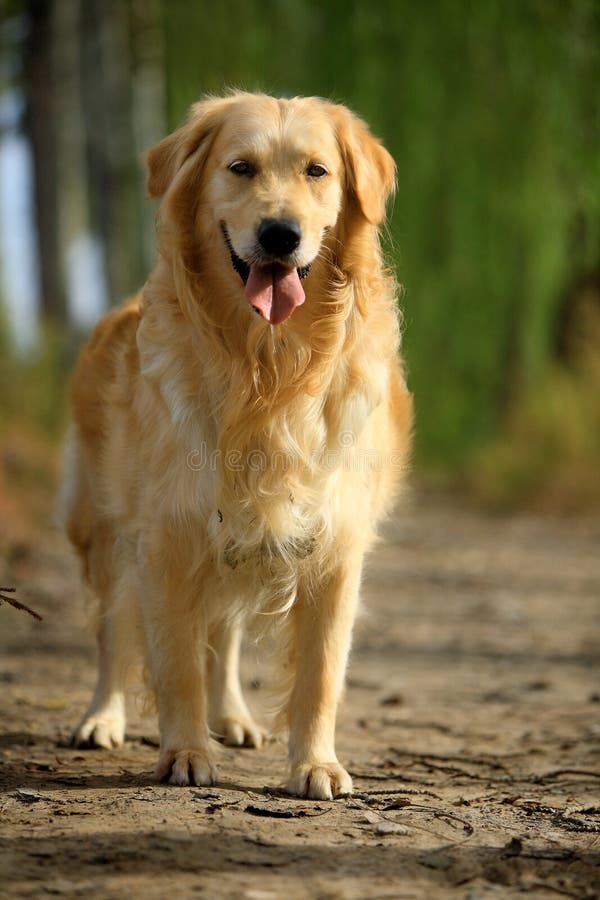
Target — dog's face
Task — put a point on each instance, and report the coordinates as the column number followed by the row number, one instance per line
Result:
column 274, row 183
column 275, row 178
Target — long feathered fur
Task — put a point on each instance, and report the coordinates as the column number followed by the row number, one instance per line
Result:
column 237, row 460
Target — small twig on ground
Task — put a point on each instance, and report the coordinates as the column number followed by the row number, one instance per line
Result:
column 443, row 814
column 283, row 813
column 550, row 776
column 391, row 775
column 545, row 886
column 438, row 813
column 12, row 601
column 491, row 761
column 451, row 770
column 403, row 790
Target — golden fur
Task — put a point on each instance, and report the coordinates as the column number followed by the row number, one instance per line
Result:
column 220, row 468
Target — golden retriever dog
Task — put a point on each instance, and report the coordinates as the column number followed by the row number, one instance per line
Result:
column 238, row 430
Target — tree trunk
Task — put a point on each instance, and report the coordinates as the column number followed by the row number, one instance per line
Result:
column 40, row 124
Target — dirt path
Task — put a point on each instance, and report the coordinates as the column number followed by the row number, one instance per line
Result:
column 471, row 726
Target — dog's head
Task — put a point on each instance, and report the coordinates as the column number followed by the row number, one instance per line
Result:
column 267, row 180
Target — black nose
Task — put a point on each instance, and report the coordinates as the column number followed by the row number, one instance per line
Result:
column 279, row 237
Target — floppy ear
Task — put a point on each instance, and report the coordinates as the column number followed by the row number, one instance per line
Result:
column 166, row 159
column 370, row 169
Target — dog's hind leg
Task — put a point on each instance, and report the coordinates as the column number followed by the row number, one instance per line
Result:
column 103, row 724
column 229, row 717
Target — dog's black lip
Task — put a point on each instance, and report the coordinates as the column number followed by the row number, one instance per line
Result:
column 241, row 267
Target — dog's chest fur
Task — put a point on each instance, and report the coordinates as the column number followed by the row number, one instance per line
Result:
column 260, row 494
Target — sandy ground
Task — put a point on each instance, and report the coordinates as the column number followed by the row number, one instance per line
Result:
column 471, row 726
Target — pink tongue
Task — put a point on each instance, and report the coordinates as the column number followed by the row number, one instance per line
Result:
column 274, row 291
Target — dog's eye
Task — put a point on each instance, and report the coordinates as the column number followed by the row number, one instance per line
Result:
column 316, row 171
column 241, row 167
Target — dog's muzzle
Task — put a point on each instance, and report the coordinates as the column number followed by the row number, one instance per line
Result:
column 272, row 289
column 242, row 268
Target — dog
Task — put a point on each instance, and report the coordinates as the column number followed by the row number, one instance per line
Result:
column 238, row 430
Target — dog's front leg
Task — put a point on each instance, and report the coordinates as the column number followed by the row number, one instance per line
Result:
column 322, row 626
column 176, row 651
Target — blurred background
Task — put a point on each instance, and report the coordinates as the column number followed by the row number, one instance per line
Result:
column 492, row 112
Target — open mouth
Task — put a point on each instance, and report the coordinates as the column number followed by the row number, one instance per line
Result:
column 272, row 289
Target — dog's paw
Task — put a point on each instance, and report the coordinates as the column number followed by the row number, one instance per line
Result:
column 186, row 767
column 322, row 781
column 99, row 729
column 239, row 731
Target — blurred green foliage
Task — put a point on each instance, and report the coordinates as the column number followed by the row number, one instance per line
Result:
column 492, row 112
column 547, row 454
